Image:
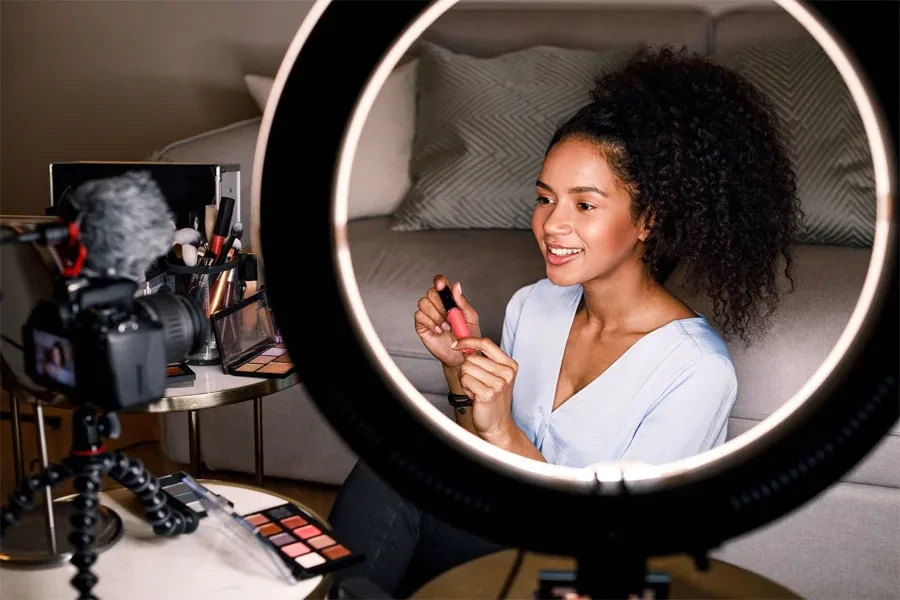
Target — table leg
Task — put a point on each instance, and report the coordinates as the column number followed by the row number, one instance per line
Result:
column 194, row 441
column 258, row 440
column 45, row 462
column 18, row 458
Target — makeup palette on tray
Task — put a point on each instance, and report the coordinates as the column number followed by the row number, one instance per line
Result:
column 304, row 544
column 248, row 340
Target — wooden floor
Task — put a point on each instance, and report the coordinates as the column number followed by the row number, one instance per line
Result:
column 141, row 440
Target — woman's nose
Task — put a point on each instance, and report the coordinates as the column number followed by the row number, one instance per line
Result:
column 558, row 221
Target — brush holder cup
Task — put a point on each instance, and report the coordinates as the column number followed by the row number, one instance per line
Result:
column 213, row 288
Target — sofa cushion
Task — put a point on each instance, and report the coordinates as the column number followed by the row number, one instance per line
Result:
column 801, row 334
column 482, row 127
column 379, row 176
column 394, row 269
column 826, row 138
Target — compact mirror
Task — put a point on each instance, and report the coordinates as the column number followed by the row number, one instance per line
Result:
column 434, row 162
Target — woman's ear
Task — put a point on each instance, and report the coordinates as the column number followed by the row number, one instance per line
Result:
column 646, row 227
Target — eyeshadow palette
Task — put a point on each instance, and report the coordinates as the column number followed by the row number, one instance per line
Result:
column 179, row 495
column 304, row 544
column 248, row 340
column 179, row 373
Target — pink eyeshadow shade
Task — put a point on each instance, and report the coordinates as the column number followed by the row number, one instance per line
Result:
column 257, row 519
column 307, row 532
column 297, row 549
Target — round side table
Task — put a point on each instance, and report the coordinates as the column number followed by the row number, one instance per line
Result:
column 484, row 578
column 144, row 566
column 212, row 388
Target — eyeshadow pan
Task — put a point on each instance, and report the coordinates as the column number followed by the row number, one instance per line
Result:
column 278, row 368
column 336, row 552
column 178, row 489
column 279, row 513
column 320, row 542
column 257, row 519
column 261, row 359
column 284, row 358
column 307, row 532
column 174, row 371
column 313, row 559
column 274, row 351
column 293, row 522
column 248, row 368
column 295, row 549
column 269, row 529
column 281, row 539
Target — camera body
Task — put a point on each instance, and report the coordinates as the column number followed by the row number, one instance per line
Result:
column 98, row 343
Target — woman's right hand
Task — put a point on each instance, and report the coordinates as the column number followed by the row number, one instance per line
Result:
column 432, row 325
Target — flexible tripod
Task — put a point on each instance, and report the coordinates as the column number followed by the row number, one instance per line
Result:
column 87, row 463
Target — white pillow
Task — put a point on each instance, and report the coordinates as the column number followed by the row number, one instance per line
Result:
column 379, row 177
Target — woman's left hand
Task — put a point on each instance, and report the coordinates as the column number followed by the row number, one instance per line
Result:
column 487, row 376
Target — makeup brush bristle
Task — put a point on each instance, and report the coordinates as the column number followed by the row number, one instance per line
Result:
column 237, row 229
column 188, row 235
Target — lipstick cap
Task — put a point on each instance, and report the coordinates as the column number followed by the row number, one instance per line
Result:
column 447, row 298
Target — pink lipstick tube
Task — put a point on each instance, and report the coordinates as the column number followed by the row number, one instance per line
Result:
column 455, row 317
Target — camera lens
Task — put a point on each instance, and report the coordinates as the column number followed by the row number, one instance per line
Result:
column 184, row 325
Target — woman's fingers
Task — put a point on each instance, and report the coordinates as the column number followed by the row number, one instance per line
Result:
column 491, row 384
column 487, row 347
column 424, row 322
column 427, row 307
column 504, row 372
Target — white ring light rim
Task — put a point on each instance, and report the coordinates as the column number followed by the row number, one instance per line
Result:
column 605, row 476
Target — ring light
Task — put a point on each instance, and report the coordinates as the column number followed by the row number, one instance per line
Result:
column 310, row 129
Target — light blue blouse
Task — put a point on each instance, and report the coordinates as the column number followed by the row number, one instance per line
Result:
column 666, row 398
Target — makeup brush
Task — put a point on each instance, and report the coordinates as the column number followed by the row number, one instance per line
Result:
column 189, row 255
column 188, row 235
column 209, row 222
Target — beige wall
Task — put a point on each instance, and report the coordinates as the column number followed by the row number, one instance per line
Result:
column 117, row 79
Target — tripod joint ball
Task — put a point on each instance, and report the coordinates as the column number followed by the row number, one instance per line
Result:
column 86, row 464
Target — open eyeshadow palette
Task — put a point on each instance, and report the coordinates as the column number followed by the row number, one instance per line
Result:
column 179, row 373
column 304, row 544
column 180, row 495
column 248, row 340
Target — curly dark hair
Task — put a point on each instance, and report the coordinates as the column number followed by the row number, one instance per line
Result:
column 704, row 158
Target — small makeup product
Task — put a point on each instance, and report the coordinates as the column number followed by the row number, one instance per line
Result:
column 180, row 495
column 222, row 225
column 245, row 335
column 455, row 317
column 235, row 236
column 178, row 373
column 307, row 547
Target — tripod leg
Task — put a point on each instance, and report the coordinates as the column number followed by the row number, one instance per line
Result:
column 83, row 520
column 21, row 500
column 165, row 520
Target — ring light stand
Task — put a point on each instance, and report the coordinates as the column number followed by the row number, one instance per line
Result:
column 688, row 507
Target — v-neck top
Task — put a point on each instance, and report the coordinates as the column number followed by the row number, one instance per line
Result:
column 667, row 397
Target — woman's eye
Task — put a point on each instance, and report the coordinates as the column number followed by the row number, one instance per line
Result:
column 585, row 206
column 543, row 200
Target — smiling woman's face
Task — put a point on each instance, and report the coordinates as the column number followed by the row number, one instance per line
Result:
column 582, row 220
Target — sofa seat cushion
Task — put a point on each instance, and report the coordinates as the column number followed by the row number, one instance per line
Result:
column 802, row 333
column 394, row 269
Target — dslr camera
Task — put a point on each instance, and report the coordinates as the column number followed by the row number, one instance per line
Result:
column 97, row 342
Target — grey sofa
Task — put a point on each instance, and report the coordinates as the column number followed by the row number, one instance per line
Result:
column 844, row 544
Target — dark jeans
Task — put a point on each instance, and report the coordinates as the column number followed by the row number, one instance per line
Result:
column 405, row 546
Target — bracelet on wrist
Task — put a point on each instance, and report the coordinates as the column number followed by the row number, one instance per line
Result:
column 459, row 402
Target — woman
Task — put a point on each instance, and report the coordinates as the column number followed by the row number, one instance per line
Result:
column 674, row 161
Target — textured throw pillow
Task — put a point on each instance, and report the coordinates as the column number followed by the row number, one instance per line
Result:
column 835, row 179
column 379, row 177
column 482, row 128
